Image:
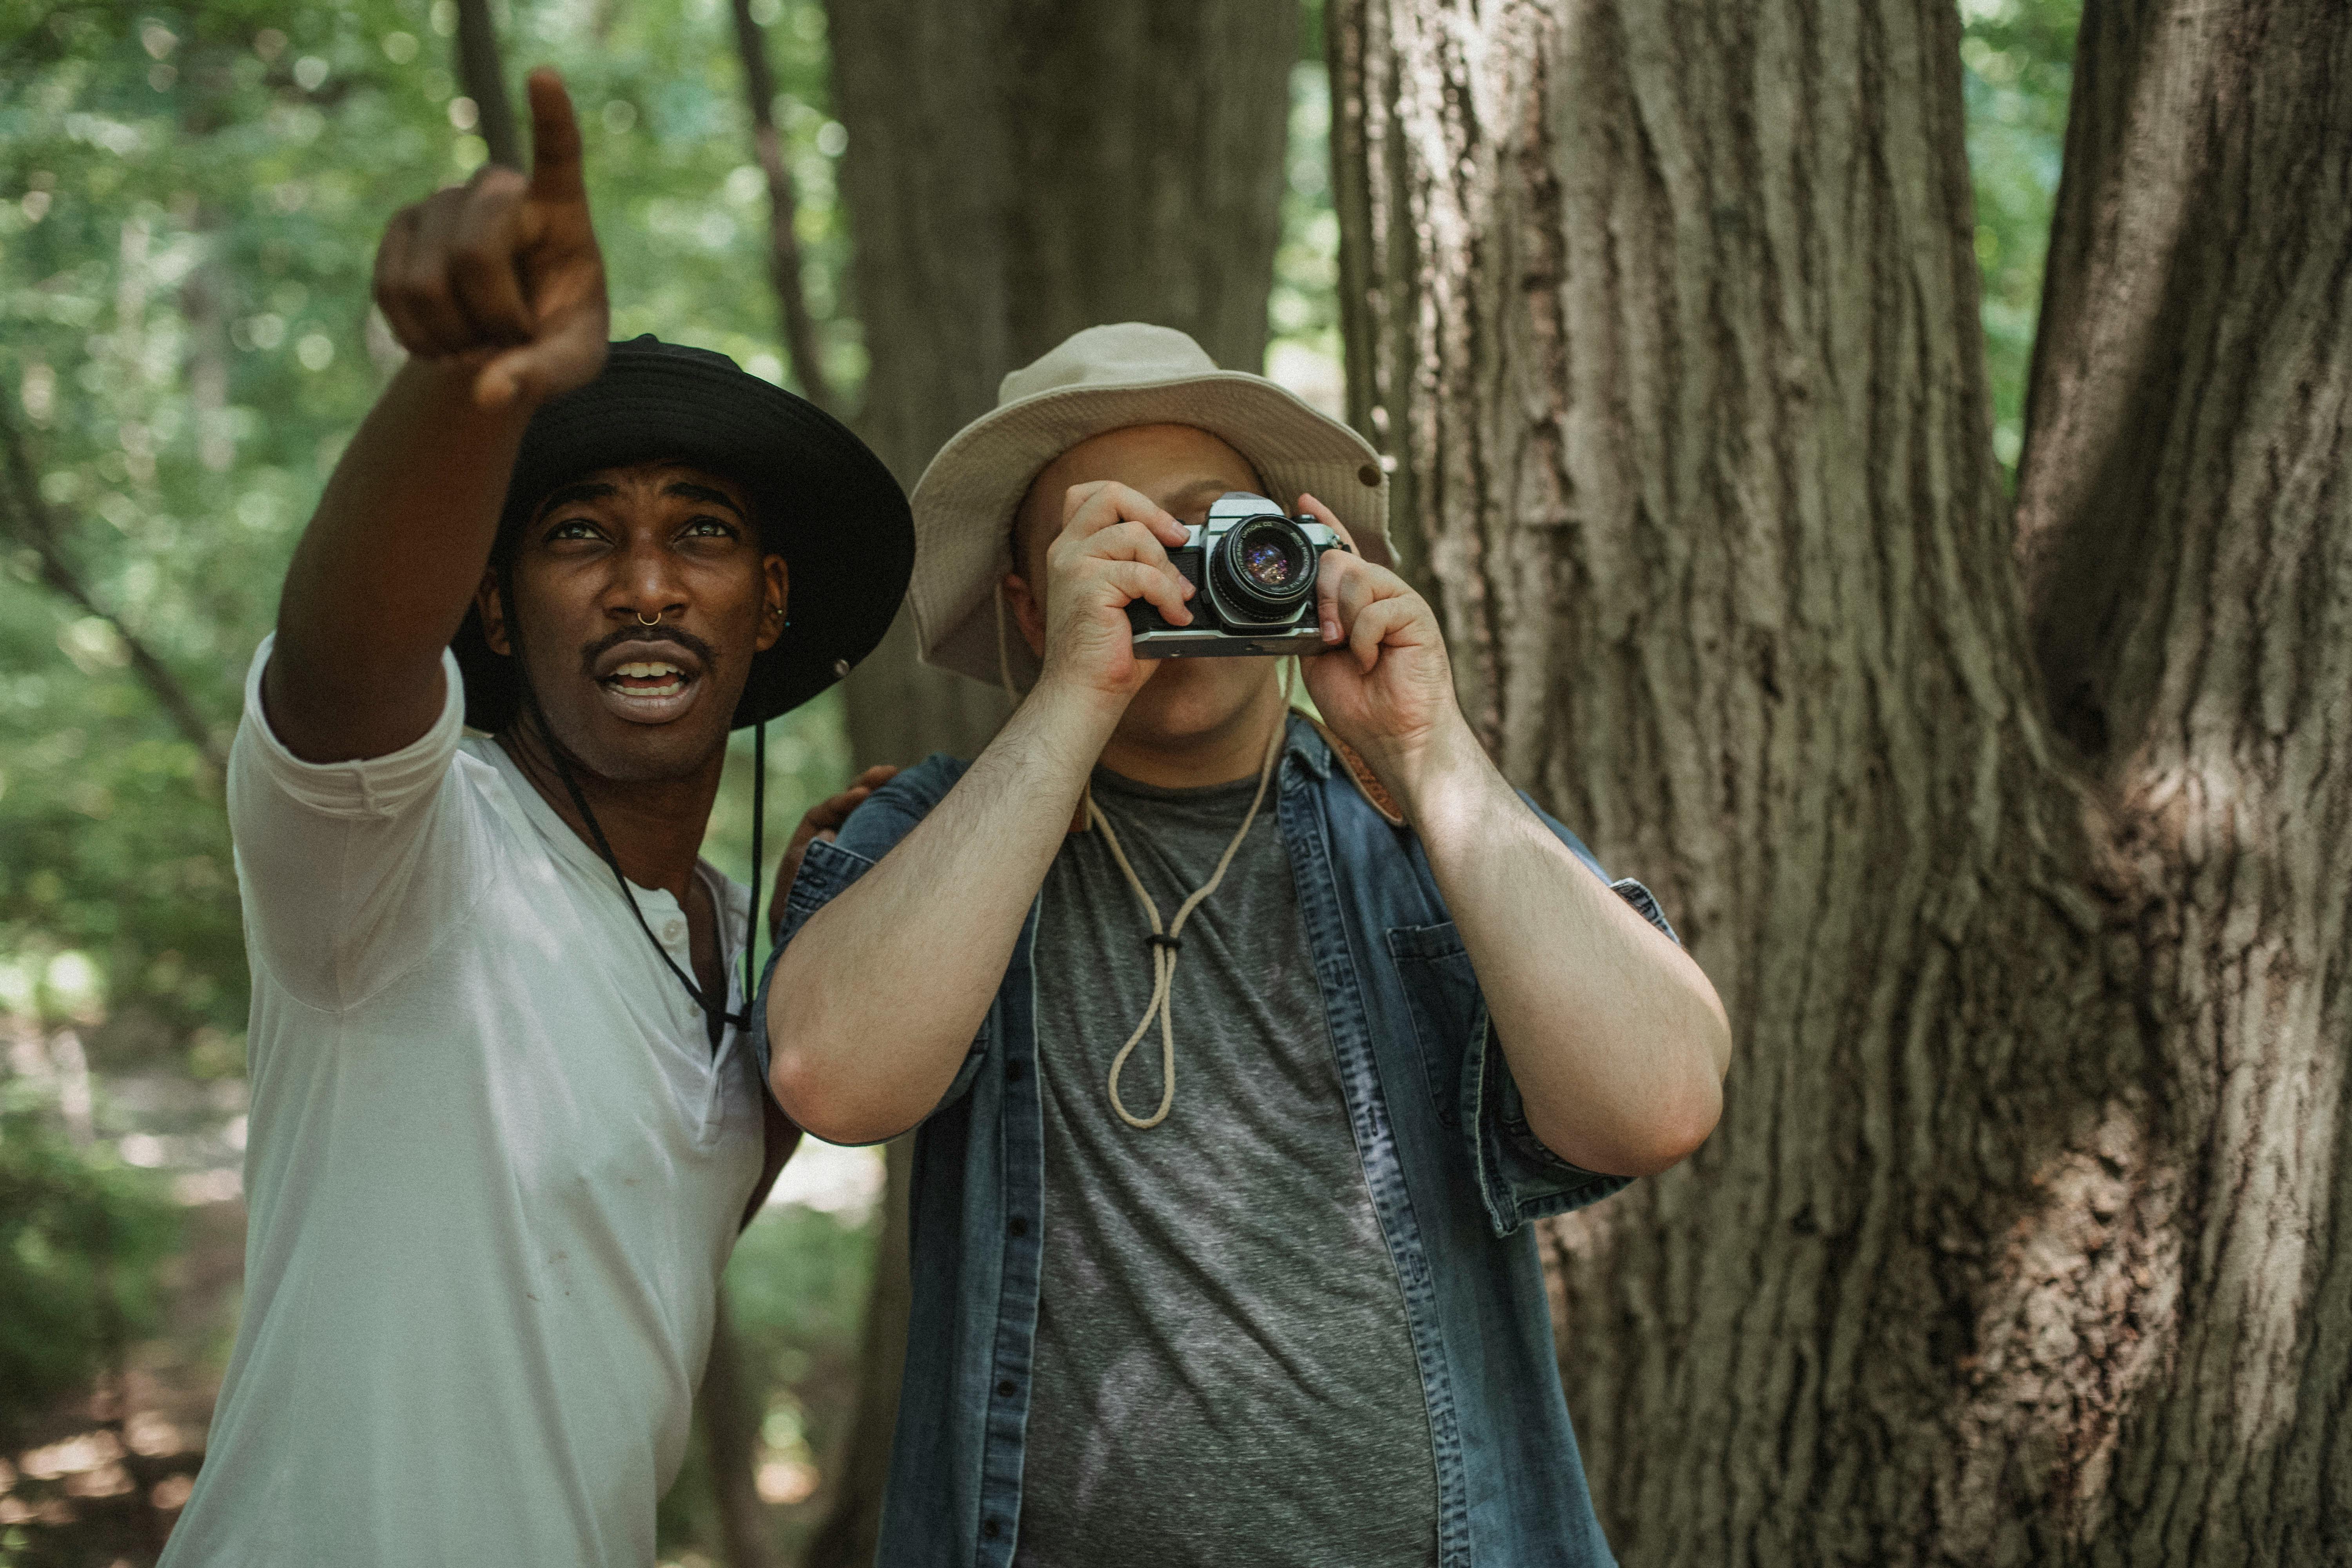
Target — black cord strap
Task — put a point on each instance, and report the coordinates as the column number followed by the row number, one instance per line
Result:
column 718, row 1008
column 759, row 821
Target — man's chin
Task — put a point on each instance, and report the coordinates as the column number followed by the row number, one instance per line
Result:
column 636, row 739
column 1192, row 699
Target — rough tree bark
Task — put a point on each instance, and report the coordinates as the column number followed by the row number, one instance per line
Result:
column 2015, row 842
column 1018, row 170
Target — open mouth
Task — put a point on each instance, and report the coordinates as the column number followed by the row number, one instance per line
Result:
column 648, row 683
column 648, row 678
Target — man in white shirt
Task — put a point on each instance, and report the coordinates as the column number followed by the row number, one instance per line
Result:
column 503, row 1128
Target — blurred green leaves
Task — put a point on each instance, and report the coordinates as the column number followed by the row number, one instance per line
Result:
column 2017, row 58
column 80, row 1234
column 190, row 200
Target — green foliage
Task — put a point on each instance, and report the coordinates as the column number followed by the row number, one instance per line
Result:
column 2018, row 59
column 188, row 214
column 80, row 1237
column 797, row 1287
column 190, row 201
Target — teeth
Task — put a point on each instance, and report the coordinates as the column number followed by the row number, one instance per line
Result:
column 647, row 671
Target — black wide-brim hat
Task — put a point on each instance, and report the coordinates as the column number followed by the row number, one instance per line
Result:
column 823, row 501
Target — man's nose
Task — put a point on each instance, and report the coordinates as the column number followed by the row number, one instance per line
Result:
column 646, row 587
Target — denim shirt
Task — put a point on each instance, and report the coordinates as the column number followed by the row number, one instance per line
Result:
column 1454, row 1172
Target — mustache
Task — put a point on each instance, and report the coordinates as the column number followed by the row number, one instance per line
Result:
column 678, row 635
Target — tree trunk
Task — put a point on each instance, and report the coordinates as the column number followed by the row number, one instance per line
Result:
column 2013, row 1244
column 1018, row 170
column 482, row 74
column 731, row 1419
column 784, row 208
column 850, row 1532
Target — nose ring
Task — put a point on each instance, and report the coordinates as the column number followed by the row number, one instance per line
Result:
column 643, row 621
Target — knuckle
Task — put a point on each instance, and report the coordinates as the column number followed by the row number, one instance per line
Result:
column 425, row 290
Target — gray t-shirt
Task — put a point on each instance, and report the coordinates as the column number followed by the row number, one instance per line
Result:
column 1224, row 1372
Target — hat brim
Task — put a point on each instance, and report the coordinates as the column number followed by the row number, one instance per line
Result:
column 824, row 501
column 965, row 502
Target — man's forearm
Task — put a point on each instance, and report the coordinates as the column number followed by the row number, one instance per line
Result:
column 1613, row 1035
column 388, row 565
column 876, row 999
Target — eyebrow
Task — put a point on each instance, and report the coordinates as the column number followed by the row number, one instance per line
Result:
column 565, row 495
column 686, row 489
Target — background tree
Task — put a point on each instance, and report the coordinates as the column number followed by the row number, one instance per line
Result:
column 2011, row 835
column 1017, row 170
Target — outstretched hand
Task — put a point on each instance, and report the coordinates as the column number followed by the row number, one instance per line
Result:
column 503, row 272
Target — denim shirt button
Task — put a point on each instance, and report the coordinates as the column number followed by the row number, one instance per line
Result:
column 1007, row 1388
column 1016, row 1225
column 991, row 1528
column 1012, row 1070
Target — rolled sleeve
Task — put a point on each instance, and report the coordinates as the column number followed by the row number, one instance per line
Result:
column 349, row 870
column 270, row 783
column 1518, row 1178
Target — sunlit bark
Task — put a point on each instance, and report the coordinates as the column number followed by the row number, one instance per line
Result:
column 2014, row 1245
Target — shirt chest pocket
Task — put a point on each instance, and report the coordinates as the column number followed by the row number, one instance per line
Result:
column 1447, row 1009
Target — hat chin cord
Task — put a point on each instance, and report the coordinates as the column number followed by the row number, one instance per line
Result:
column 713, row 1001
column 1165, row 943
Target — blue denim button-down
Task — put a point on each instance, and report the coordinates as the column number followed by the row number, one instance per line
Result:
column 1454, row 1176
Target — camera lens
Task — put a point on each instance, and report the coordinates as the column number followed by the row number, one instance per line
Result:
column 1265, row 566
column 1268, row 565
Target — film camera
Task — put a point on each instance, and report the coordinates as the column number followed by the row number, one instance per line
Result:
column 1253, row 571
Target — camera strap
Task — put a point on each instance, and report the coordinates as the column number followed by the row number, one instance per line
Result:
column 1167, row 943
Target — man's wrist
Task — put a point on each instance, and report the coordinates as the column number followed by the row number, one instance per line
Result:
column 1072, row 718
column 1445, row 783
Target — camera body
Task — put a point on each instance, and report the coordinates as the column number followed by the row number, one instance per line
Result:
column 1253, row 573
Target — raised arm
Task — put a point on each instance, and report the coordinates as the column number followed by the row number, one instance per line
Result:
column 1614, row 1036
column 875, row 1002
column 497, row 290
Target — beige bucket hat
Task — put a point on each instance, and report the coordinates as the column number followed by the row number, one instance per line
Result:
column 1106, row 378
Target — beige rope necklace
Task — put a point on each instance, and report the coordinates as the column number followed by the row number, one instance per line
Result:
column 1165, row 943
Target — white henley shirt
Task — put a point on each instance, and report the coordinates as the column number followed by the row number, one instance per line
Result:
column 493, row 1172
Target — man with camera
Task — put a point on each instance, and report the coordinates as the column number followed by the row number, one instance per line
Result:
column 1243, row 1051
column 505, row 1123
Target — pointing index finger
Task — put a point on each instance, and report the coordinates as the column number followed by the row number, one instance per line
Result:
column 554, row 140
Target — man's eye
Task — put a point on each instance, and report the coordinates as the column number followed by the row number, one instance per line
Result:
column 709, row 528
column 576, row 528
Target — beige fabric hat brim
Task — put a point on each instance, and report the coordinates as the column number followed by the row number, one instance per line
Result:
column 965, row 502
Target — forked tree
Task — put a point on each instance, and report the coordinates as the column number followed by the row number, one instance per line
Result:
column 2014, row 835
